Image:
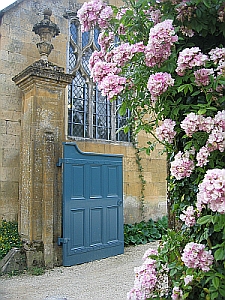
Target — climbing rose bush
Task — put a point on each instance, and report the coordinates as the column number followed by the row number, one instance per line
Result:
column 166, row 60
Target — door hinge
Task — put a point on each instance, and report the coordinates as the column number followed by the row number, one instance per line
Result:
column 119, row 202
column 62, row 241
column 60, row 162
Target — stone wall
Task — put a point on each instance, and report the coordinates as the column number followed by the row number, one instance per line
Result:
column 17, row 51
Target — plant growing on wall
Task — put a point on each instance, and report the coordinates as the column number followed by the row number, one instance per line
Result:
column 166, row 61
column 9, row 237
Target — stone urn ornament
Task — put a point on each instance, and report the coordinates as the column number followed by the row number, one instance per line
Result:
column 47, row 30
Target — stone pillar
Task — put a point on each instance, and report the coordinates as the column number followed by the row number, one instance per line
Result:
column 42, row 132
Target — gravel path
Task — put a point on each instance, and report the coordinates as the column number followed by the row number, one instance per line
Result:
column 109, row 278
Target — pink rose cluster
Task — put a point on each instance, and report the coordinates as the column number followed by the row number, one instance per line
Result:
column 161, row 39
column 212, row 191
column 105, row 40
column 202, row 76
column 188, row 216
column 106, row 66
column 202, row 156
column 145, row 278
column 216, row 140
column 189, row 58
column 182, row 166
column 124, row 53
column 153, row 14
column 193, row 123
column 177, row 293
column 217, row 54
column 184, row 11
column 214, row 126
column 112, row 85
column 94, row 13
column 103, row 69
column 158, row 83
column 166, row 131
column 195, row 256
column 188, row 279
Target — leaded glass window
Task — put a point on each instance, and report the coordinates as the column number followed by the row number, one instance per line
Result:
column 90, row 115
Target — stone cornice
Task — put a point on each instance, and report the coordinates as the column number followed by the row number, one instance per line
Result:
column 44, row 70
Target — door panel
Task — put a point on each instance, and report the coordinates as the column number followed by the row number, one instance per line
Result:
column 92, row 206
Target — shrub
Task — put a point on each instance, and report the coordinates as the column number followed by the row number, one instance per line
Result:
column 9, row 237
column 144, row 232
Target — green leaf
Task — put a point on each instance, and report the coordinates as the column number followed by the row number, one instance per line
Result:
column 126, row 129
column 219, row 254
column 123, row 109
column 214, row 295
column 196, row 93
column 207, row 3
column 202, row 111
column 185, row 295
column 216, row 282
column 205, row 219
column 173, row 272
column 222, row 291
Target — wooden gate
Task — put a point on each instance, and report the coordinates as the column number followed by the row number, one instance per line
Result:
column 92, row 205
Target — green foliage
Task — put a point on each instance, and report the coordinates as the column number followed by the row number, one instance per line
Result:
column 36, row 271
column 204, row 285
column 145, row 232
column 9, row 237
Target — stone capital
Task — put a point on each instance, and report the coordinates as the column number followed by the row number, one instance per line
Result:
column 43, row 71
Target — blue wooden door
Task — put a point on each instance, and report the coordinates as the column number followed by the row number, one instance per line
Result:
column 92, row 206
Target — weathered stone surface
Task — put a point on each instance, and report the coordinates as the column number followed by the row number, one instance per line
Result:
column 13, row 261
column 42, row 124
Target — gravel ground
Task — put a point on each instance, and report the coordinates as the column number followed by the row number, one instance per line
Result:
column 109, row 278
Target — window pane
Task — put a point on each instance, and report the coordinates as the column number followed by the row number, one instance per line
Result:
column 85, row 38
column 85, row 60
column 73, row 32
column 72, row 58
column 120, row 122
column 96, row 34
column 101, row 116
column 78, row 107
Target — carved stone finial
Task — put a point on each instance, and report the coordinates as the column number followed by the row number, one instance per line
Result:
column 46, row 29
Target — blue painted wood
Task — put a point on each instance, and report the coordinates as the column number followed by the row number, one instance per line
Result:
column 92, row 205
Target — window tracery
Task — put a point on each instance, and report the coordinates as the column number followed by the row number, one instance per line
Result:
column 90, row 115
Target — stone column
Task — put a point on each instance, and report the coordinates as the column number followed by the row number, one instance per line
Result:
column 42, row 132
